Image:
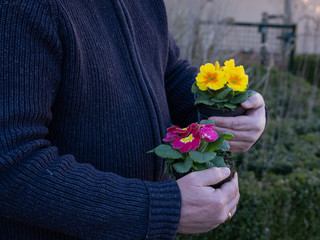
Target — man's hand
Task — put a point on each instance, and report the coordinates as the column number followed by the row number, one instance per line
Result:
column 246, row 128
column 204, row 208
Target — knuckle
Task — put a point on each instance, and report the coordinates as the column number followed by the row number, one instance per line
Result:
column 236, row 125
column 252, row 137
column 217, row 121
column 219, row 203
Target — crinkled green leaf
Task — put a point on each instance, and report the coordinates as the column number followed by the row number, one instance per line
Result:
column 230, row 105
column 251, row 92
column 216, row 145
column 183, row 166
column 220, row 105
column 204, row 101
column 199, row 166
column 239, row 98
column 167, row 151
column 225, row 146
column 215, row 100
column 224, row 93
column 202, row 157
column 218, row 161
column 203, row 94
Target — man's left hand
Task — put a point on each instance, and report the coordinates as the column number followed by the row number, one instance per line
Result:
column 247, row 128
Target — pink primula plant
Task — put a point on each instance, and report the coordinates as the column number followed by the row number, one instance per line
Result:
column 194, row 148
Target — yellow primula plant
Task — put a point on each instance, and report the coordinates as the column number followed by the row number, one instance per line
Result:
column 224, row 87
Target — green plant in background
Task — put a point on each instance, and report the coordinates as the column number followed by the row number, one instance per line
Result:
column 308, row 67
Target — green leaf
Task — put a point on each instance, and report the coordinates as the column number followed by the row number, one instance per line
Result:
column 220, row 105
column 209, row 121
column 218, row 161
column 199, row 166
column 239, row 98
column 203, row 94
column 251, row 92
column 202, row 157
column 167, row 168
column 215, row 100
column 227, row 136
column 183, row 166
column 216, row 145
column 203, row 101
column 194, row 88
column 225, row 146
column 167, row 151
column 230, row 105
column 223, row 94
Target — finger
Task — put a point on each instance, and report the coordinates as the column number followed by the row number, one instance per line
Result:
column 230, row 189
column 209, row 176
column 257, row 118
column 254, row 101
column 232, row 212
column 234, row 202
column 240, row 147
column 240, row 123
column 243, row 136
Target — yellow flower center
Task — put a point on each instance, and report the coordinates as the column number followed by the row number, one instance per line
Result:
column 187, row 139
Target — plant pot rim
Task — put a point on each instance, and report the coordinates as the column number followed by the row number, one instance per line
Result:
column 209, row 111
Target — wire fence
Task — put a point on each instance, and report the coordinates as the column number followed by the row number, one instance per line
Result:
column 256, row 43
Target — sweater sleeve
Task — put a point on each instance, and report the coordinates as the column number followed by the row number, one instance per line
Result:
column 179, row 78
column 37, row 185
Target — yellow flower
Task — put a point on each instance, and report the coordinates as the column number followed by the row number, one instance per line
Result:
column 229, row 65
column 237, row 79
column 211, row 76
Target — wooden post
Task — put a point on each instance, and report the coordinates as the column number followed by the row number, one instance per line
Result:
column 287, row 11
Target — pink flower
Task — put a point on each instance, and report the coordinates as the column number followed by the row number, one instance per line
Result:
column 189, row 138
column 175, row 132
column 187, row 143
column 208, row 133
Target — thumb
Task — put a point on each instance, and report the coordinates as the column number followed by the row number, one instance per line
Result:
column 254, row 101
column 211, row 176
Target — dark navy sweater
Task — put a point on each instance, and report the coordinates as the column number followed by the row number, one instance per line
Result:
column 87, row 87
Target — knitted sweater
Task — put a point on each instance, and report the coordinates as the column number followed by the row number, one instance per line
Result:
column 87, row 87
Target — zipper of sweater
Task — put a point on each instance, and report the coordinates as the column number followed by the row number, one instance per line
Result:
column 149, row 97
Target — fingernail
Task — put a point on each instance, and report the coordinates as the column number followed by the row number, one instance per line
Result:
column 226, row 171
column 246, row 103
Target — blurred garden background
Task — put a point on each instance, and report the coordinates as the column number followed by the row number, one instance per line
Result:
column 278, row 42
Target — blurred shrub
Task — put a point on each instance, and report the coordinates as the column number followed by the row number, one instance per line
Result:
column 307, row 66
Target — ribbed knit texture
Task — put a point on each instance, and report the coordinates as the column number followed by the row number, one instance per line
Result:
column 86, row 89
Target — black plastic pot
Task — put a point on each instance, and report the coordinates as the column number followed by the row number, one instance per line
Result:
column 206, row 111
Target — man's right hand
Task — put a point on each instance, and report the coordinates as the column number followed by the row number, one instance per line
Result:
column 202, row 207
